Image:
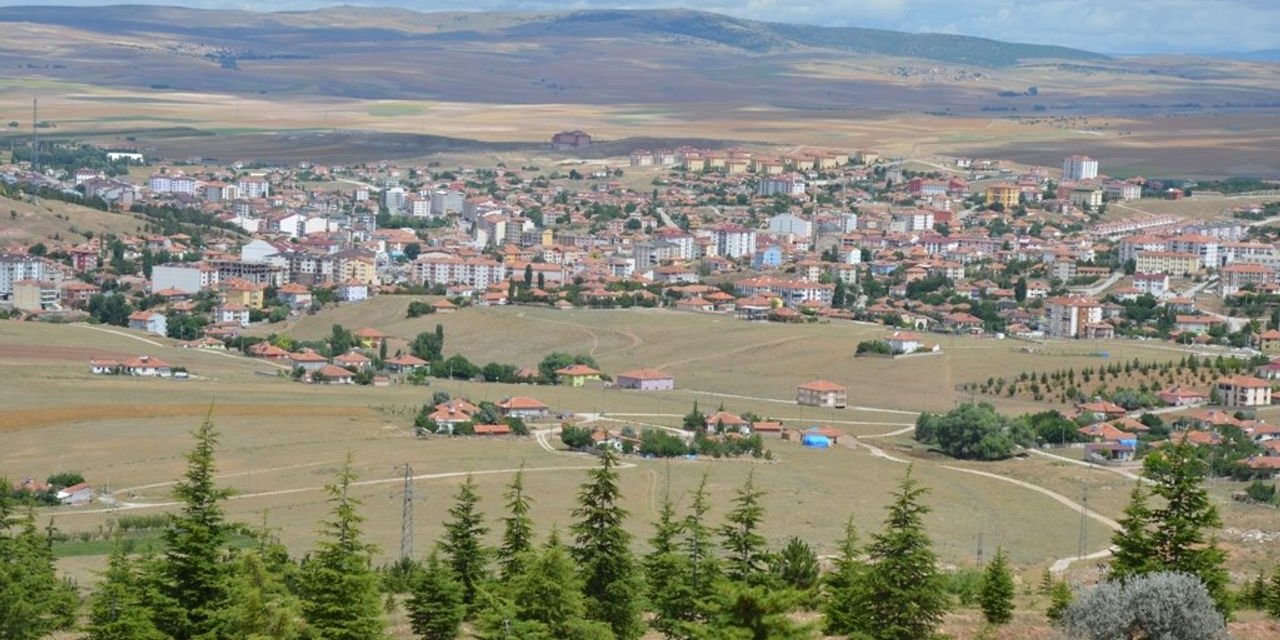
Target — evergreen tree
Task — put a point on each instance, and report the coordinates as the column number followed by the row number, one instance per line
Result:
column 740, row 536
column 517, row 534
column 1273, row 595
column 437, row 609
column 665, row 570
column 844, row 593
column 905, row 600
column 1173, row 537
column 796, row 565
column 602, row 549
column 462, row 544
column 117, row 608
column 340, row 590
column 743, row 611
column 33, row 601
column 194, row 566
column 1133, row 546
column 1060, row 597
column 259, row 605
column 997, row 591
column 549, row 598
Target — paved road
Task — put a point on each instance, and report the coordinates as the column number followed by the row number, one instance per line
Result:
column 1098, row 288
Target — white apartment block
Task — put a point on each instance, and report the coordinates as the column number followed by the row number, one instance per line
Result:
column 253, row 187
column 476, row 272
column 1076, row 168
column 16, row 268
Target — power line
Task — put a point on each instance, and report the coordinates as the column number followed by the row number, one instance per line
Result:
column 406, row 514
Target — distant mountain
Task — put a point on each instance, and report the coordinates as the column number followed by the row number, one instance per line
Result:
column 698, row 27
column 1263, row 55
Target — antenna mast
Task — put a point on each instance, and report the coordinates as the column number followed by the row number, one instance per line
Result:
column 35, row 134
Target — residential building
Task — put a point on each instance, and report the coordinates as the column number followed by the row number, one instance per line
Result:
column 1006, row 195
column 1075, row 168
column 1169, row 262
column 822, row 393
column 1243, row 391
column 36, row 296
column 1069, row 317
column 1155, row 284
column 1087, row 198
column 15, row 268
column 788, row 184
column 523, row 407
column 149, row 321
column 645, row 380
column 577, row 375
column 1239, row 275
column 190, row 278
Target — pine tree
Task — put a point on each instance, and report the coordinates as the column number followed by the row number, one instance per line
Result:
column 117, row 610
column 740, row 536
column 997, row 591
column 1179, row 541
column 602, row 549
column 340, row 590
column 758, row 612
column 259, row 605
column 665, row 570
column 1060, row 597
column 462, row 543
column 1046, row 582
column 517, row 534
column 844, row 589
column 1255, row 593
column 437, row 609
column 1133, row 545
column 905, row 600
column 1273, row 595
column 194, row 566
column 796, row 565
column 549, row 598
column 704, row 566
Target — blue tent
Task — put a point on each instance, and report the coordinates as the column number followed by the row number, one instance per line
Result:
column 816, row 441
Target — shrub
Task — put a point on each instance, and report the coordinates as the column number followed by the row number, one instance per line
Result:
column 1169, row 606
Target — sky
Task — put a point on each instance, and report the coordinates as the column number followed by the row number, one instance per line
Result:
column 1107, row 26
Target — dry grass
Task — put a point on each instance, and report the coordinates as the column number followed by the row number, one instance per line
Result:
column 28, row 222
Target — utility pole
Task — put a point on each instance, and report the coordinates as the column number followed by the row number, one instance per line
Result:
column 35, row 134
column 980, row 532
column 406, row 515
column 1084, row 523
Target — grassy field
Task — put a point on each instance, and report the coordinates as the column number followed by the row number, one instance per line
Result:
column 281, row 442
column 28, row 222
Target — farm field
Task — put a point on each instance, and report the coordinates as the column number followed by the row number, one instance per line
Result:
column 281, row 441
column 720, row 354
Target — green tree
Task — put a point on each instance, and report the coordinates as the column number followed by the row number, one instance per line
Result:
column 602, row 549
column 740, row 535
column 1273, row 595
column 1164, row 605
column 33, row 601
column 665, row 568
column 194, row 566
column 796, row 565
column 340, row 598
column 1134, row 552
column 259, row 605
column 997, row 590
column 1060, row 598
column 744, row 611
column 117, row 610
column 437, row 607
column 517, row 531
column 1175, row 536
column 429, row 345
column 905, row 600
column 694, row 420
column 463, row 541
column 549, row 599
column 844, row 588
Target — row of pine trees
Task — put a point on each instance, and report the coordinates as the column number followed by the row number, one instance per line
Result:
column 699, row 579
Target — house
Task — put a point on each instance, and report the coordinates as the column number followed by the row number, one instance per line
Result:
column 294, row 295
column 906, row 342
column 308, row 360
column 268, row 351
column 353, row 291
column 523, row 407
column 1269, row 341
column 332, row 374
column 353, row 360
column 233, row 313
column 405, row 362
column 1182, row 397
column 723, row 421
column 645, row 380
column 76, row 494
column 149, row 321
column 1243, row 391
column 822, row 393
column 104, row 367
column 370, row 338
column 146, row 366
column 1103, row 408
column 768, row 429
column 577, row 375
